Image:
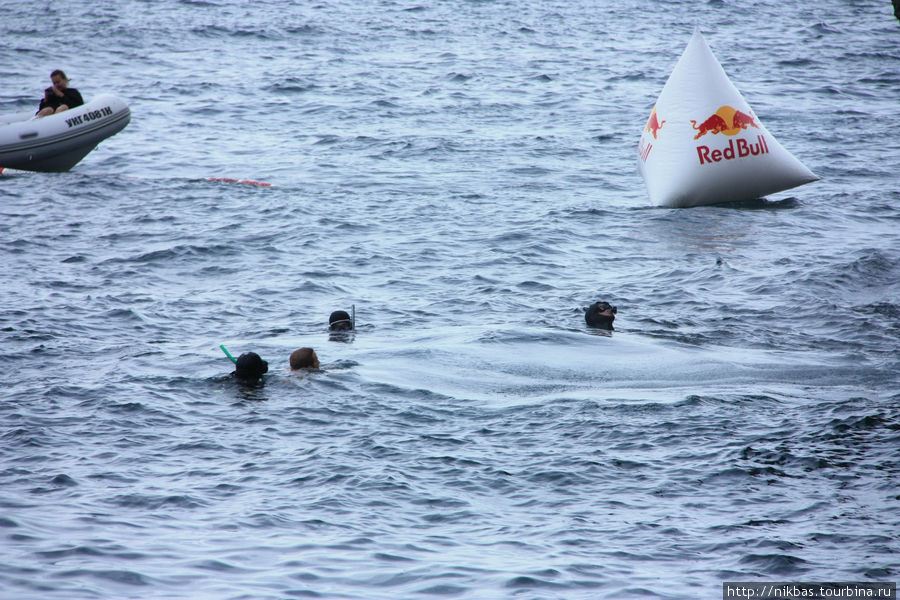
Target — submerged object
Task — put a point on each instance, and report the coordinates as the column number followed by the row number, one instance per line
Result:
column 704, row 145
column 246, row 181
column 59, row 141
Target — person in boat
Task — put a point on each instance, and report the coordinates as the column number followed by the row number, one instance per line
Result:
column 339, row 320
column 59, row 96
column 600, row 315
column 249, row 367
column 304, row 358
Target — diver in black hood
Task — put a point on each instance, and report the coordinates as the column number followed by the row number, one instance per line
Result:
column 340, row 321
column 600, row 315
column 249, row 367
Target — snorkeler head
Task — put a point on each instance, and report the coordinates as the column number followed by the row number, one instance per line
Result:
column 340, row 321
column 304, row 358
column 250, row 367
column 600, row 315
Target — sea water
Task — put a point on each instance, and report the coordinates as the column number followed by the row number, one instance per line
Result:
column 463, row 173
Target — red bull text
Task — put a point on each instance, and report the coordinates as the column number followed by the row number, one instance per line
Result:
column 739, row 148
column 644, row 150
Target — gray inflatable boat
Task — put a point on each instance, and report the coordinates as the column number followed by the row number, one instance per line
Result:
column 58, row 142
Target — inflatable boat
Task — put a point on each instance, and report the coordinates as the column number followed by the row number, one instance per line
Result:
column 58, row 142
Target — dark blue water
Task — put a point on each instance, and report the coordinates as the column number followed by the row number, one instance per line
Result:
column 464, row 174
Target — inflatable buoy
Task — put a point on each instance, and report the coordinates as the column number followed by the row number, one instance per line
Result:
column 704, row 145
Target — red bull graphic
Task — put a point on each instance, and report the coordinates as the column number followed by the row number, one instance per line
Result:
column 654, row 124
column 726, row 120
column 739, row 148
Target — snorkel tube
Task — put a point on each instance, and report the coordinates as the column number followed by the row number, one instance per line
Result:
column 228, row 354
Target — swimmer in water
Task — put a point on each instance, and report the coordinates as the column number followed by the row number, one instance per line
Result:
column 249, row 367
column 304, row 358
column 600, row 315
column 340, row 321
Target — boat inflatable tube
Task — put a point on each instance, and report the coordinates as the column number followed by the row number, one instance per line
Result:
column 704, row 145
column 58, row 142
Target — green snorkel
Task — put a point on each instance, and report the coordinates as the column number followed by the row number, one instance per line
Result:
column 228, row 354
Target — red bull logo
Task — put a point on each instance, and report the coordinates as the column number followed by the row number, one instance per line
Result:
column 653, row 126
column 726, row 120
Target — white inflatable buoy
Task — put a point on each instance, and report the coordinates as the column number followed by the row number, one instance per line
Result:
column 703, row 144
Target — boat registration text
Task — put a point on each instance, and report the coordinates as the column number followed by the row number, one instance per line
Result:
column 89, row 116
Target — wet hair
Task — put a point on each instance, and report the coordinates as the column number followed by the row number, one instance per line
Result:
column 340, row 321
column 304, row 358
column 60, row 73
column 594, row 318
column 250, row 367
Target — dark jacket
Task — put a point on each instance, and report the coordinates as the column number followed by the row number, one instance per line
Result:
column 71, row 98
